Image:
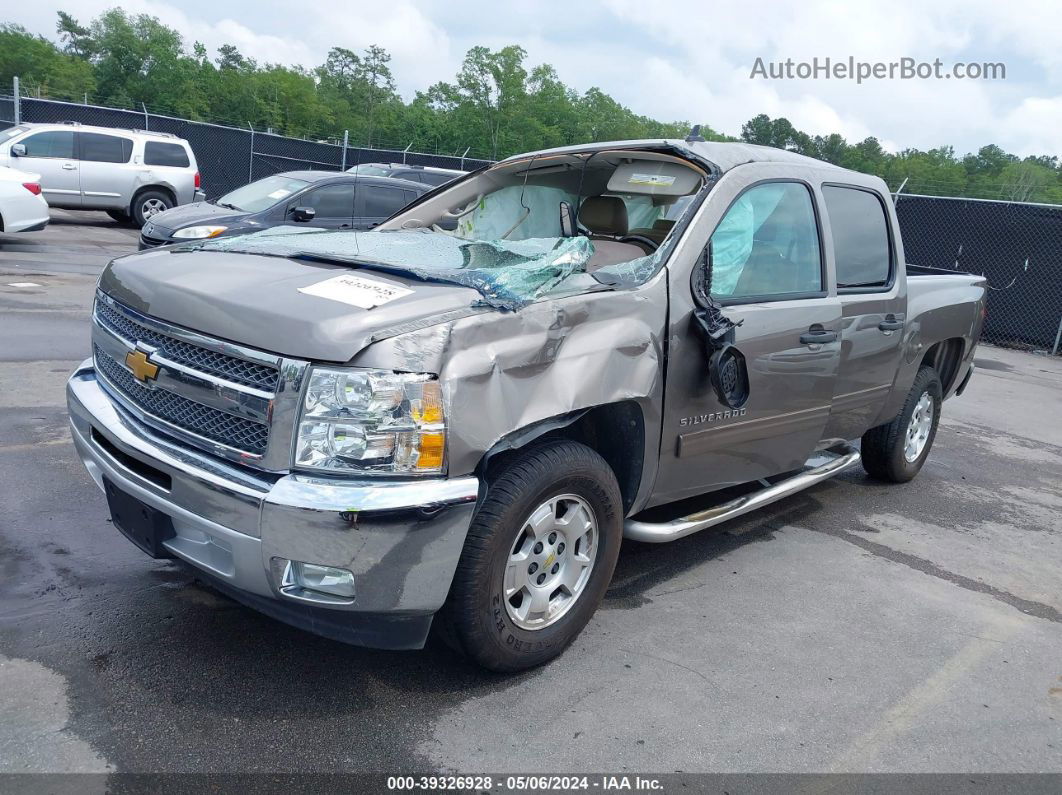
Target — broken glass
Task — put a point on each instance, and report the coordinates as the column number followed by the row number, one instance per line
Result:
column 509, row 274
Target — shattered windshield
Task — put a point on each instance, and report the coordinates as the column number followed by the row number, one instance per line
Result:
column 519, row 230
column 508, row 274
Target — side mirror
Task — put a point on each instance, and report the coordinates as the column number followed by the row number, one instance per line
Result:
column 18, row 150
column 303, row 213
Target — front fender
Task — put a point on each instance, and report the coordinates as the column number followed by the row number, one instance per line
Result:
column 507, row 371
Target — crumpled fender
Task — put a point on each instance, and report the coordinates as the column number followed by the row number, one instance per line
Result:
column 503, row 372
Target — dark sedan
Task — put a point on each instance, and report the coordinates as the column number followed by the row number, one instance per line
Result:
column 324, row 199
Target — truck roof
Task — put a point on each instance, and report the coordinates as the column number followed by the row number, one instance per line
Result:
column 724, row 155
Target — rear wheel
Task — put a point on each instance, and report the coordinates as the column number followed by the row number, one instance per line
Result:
column 897, row 450
column 148, row 204
column 538, row 558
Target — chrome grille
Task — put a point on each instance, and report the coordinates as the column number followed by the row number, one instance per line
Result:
column 239, row 371
column 204, row 421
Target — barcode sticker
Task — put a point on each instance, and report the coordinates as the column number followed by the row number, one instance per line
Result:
column 356, row 291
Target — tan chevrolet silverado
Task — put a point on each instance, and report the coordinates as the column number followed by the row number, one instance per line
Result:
column 453, row 421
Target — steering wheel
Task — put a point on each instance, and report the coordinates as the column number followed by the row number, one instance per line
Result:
column 642, row 241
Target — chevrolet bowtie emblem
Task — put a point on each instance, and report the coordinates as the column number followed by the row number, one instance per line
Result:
column 144, row 370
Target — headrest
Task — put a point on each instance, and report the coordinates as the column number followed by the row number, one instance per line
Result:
column 604, row 215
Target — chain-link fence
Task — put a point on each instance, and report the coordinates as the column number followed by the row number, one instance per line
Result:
column 1016, row 247
column 228, row 157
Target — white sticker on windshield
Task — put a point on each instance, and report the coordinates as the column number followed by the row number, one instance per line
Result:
column 658, row 180
column 279, row 194
column 356, row 291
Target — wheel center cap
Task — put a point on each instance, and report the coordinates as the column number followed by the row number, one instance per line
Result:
column 549, row 561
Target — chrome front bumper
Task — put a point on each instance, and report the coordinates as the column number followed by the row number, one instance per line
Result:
column 401, row 539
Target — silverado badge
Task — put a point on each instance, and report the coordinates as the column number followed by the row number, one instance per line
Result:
column 698, row 419
column 143, row 369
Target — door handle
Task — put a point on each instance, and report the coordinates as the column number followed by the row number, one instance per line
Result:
column 891, row 323
column 817, row 335
column 69, row 166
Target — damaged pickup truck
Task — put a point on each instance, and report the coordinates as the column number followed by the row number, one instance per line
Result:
column 455, row 419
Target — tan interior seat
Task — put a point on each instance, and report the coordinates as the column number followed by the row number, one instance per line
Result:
column 605, row 217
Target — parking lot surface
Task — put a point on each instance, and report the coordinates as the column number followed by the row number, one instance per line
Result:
column 855, row 627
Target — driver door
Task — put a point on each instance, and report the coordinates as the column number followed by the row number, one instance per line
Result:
column 768, row 274
column 333, row 206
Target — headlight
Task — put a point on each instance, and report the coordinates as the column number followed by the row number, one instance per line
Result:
column 199, row 232
column 371, row 422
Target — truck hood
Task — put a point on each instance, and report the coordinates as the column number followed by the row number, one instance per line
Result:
column 255, row 300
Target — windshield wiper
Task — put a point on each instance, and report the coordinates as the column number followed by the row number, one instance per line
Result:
column 338, row 259
column 229, row 206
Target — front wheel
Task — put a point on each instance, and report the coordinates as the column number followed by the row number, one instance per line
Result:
column 897, row 450
column 538, row 558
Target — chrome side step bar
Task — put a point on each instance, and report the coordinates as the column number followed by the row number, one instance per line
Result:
column 816, row 470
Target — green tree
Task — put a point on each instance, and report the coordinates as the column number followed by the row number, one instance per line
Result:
column 77, row 39
column 496, row 105
column 487, row 95
column 41, row 67
column 378, row 84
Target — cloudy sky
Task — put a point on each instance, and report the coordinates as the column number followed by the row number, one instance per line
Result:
column 675, row 59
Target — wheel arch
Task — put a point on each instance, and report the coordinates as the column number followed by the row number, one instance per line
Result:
column 946, row 358
column 615, row 431
column 144, row 189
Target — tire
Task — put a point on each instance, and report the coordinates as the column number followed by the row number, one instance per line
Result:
column 551, row 483
column 149, row 203
column 890, row 452
column 121, row 216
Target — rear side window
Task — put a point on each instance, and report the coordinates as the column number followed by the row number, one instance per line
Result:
column 157, row 153
column 383, row 202
column 59, row 143
column 767, row 244
column 101, row 148
column 860, row 234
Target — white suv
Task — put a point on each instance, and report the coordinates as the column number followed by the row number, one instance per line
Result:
column 131, row 174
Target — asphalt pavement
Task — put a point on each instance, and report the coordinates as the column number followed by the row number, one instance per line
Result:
column 856, row 627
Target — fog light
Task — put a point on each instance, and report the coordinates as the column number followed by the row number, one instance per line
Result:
column 314, row 582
